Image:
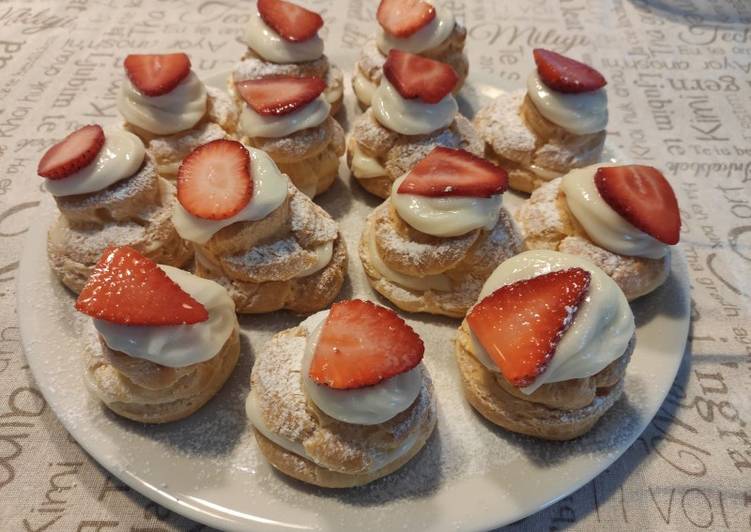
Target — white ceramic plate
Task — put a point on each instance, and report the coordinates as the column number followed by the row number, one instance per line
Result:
column 471, row 475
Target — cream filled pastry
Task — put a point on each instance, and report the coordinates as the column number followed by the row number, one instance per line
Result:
column 108, row 193
column 254, row 233
column 168, row 340
column 342, row 399
column 622, row 218
column 556, row 125
column 545, row 349
column 416, row 27
column 443, row 230
column 412, row 112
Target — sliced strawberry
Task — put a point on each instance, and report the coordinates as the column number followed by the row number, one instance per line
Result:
column 520, row 324
column 415, row 76
column 74, row 152
column 279, row 95
column 129, row 289
column 450, row 172
column 402, row 18
column 214, row 180
column 362, row 344
column 292, row 22
column 157, row 74
column 643, row 196
column 563, row 74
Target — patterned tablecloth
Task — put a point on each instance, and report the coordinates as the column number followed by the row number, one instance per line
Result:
column 679, row 76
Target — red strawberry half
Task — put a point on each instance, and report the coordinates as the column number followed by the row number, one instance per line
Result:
column 214, row 180
column 362, row 344
column 129, row 289
column 74, row 152
column 292, row 22
column 520, row 324
column 402, row 18
column 279, row 95
column 449, row 172
column 643, row 196
column 563, row 74
column 415, row 76
column 157, row 74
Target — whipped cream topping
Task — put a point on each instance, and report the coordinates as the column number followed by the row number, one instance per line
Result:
column 364, row 166
column 363, row 406
column 580, row 113
column 411, row 117
column 601, row 222
column 254, row 124
column 120, row 157
column 268, row 44
column 363, row 87
column 180, row 109
column 178, row 346
column 448, row 216
column 431, row 36
column 600, row 332
column 270, row 188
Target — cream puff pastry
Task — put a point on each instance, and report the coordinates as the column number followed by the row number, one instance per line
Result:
column 556, row 125
column 166, row 340
column 342, row 399
column 544, row 352
column 254, row 233
column 434, row 242
column 418, row 27
column 108, row 193
column 413, row 111
column 624, row 219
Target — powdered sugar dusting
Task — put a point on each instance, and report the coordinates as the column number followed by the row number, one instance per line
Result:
column 501, row 125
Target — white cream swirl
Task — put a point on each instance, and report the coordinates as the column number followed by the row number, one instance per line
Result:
column 447, row 216
column 255, row 124
column 602, row 327
column 363, row 87
column 580, row 113
column 601, row 222
column 178, row 346
column 268, row 44
column 120, row 157
column 364, row 166
column 431, row 36
column 180, row 109
column 270, row 188
column 411, row 117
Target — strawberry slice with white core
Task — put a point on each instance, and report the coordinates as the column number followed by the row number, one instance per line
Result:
column 563, row 74
column 402, row 18
column 292, row 22
column 450, row 172
column 279, row 95
column 74, row 152
column 130, row 289
column 214, row 181
column 520, row 324
column 414, row 76
column 157, row 74
column 643, row 196
column 362, row 344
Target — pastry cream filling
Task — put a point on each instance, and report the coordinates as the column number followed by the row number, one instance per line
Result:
column 365, row 166
column 544, row 173
column 447, row 216
column 601, row 222
column 324, row 252
column 363, row 87
column 582, row 113
column 431, row 36
column 178, row 346
column 411, row 117
column 313, row 114
column 121, row 157
column 600, row 332
column 178, row 110
column 270, row 188
column 267, row 43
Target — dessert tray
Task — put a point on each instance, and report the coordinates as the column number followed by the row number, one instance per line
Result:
column 471, row 474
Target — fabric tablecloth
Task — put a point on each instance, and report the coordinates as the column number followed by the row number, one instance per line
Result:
column 679, row 89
